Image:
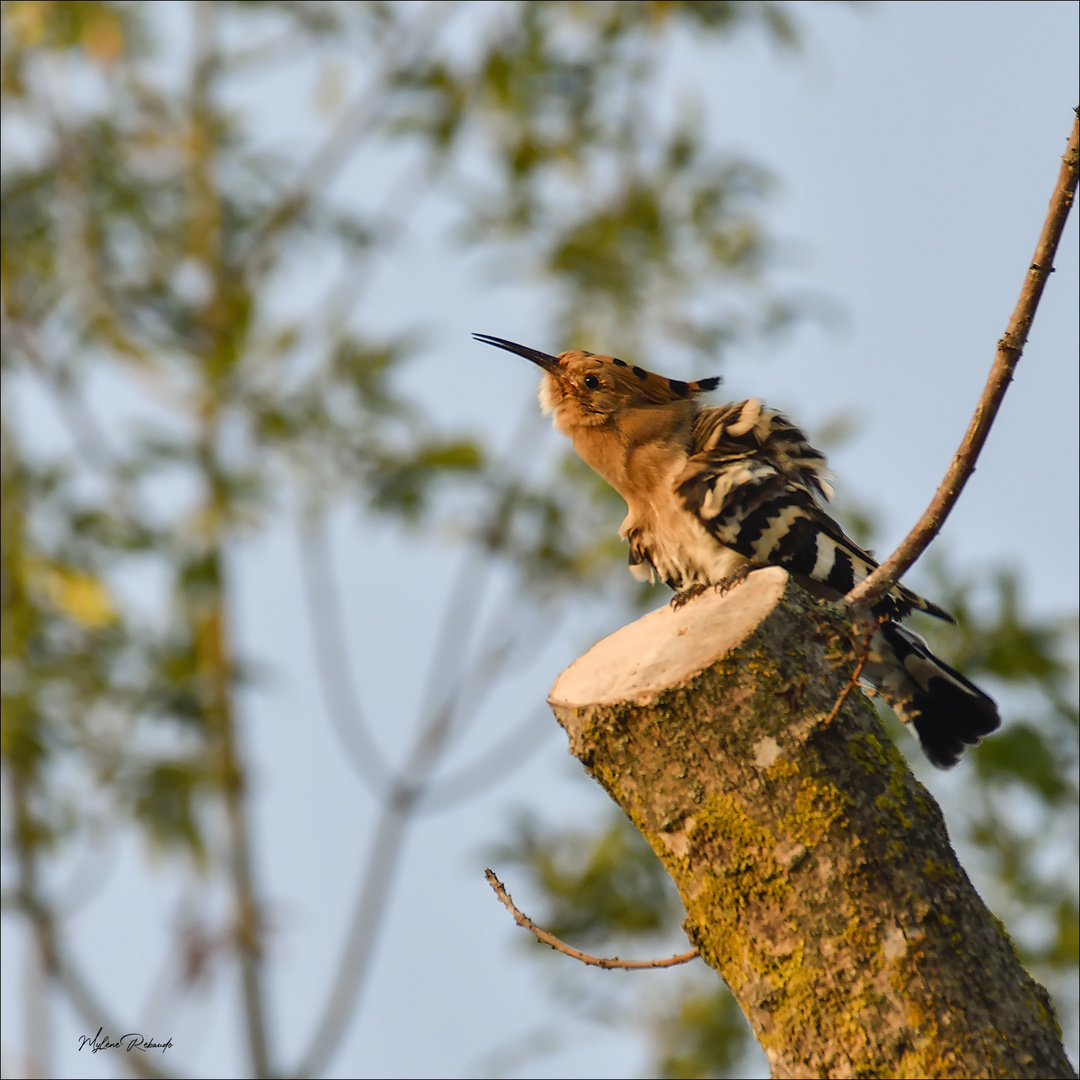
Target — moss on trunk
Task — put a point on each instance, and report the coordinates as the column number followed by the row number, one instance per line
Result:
column 816, row 871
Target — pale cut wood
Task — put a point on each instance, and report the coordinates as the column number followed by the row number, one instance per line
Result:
column 668, row 646
column 816, row 871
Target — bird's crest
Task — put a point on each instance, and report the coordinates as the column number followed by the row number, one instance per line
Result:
column 636, row 381
column 634, row 384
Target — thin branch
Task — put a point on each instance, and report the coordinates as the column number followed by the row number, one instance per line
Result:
column 87, row 435
column 99, row 859
column 282, row 48
column 514, row 646
column 399, row 810
column 89, row 1008
column 326, row 324
column 376, row 881
column 396, row 815
column 545, row 938
column 489, row 767
column 217, row 669
column 503, row 630
column 1010, row 347
column 37, row 1013
column 328, row 631
column 357, row 121
column 863, row 657
column 209, row 616
column 394, row 217
column 400, row 803
column 457, row 629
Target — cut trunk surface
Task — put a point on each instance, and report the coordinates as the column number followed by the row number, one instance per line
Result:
column 816, row 871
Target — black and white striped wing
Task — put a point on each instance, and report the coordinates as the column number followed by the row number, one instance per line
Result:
column 758, row 489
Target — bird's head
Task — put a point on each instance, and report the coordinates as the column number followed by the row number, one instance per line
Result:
column 582, row 390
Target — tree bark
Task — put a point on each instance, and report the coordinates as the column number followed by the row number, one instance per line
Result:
column 816, row 871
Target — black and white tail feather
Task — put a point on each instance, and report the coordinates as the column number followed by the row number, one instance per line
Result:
column 759, row 487
column 948, row 711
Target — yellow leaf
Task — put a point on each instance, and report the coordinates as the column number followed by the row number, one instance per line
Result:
column 27, row 21
column 80, row 597
column 103, row 39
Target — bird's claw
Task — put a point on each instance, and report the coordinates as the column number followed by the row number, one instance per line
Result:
column 732, row 581
column 684, row 597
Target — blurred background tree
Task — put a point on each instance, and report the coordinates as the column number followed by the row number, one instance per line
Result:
column 198, row 199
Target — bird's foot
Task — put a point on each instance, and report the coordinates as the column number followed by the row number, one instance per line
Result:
column 688, row 594
column 732, row 581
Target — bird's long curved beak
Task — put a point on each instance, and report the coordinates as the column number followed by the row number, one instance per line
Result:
column 548, row 363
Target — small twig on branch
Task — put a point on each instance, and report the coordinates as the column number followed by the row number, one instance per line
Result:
column 869, row 591
column 863, row 657
column 545, row 938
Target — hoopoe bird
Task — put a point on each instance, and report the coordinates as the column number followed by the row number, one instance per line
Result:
column 713, row 492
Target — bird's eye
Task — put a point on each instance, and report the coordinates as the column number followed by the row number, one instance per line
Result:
column 591, row 381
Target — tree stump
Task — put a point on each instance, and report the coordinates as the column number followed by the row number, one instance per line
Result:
column 816, row 871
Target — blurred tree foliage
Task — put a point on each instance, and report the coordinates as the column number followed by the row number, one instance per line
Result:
column 186, row 364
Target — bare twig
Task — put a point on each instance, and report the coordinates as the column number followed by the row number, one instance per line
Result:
column 1010, row 347
column 503, row 642
column 508, row 650
column 863, row 657
column 457, row 631
column 87, row 435
column 217, row 668
column 37, row 1013
column 606, row 962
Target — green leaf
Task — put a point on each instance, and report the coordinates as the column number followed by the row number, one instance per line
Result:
column 707, row 1036
column 165, row 804
column 1021, row 752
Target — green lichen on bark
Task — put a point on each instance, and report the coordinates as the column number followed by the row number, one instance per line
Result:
column 816, row 871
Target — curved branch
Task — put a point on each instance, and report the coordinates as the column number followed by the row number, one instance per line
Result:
column 605, row 962
column 401, row 800
column 488, row 768
column 355, row 955
column 1010, row 347
column 399, row 804
column 331, row 658
column 515, row 645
